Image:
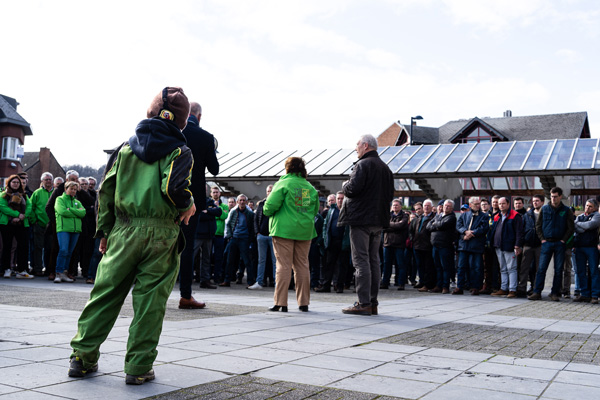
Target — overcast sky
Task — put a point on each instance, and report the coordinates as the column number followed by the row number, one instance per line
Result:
column 292, row 74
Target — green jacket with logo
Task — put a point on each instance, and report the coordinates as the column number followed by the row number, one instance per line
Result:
column 221, row 219
column 132, row 193
column 69, row 213
column 292, row 206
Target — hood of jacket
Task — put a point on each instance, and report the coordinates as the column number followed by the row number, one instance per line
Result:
column 155, row 138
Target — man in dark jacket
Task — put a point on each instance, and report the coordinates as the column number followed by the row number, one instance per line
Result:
column 203, row 146
column 239, row 229
column 443, row 235
column 506, row 236
column 554, row 226
column 473, row 227
column 205, row 231
column 337, row 256
column 531, row 246
column 394, row 244
column 368, row 194
column 586, row 253
column 421, row 240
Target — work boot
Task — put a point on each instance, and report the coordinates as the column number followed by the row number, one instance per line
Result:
column 76, row 369
column 139, row 379
column 358, row 309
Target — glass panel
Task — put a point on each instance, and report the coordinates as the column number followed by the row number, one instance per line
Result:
column 248, row 166
column 576, row 182
column 225, row 162
column 597, row 165
column 418, row 159
column 402, row 157
column 592, row 181
column 539, row 155
column 275, row 166
column 481, row 183
column 400, row 184
column 344, row 166
column 534, row 183
column 493, row 161
column 466, row 183
column 391, row 152
column 434, row 161
column 584, row 154
column 561, row 154
column 517, row 183
column 236, row 163
column 517, row 156
column 330, row 163
column 475, row 157
column 457, row 156
column 499, row 184
column 412, row 184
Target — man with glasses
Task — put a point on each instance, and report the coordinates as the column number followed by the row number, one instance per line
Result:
column 554, row 226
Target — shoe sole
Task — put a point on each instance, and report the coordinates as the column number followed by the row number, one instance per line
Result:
column 73, row 373
column 138, row 380
column 357, row 312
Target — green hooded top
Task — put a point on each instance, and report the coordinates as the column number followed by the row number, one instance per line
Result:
column 292, row 206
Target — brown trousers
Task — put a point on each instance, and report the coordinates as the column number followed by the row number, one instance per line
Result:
column 291, row 255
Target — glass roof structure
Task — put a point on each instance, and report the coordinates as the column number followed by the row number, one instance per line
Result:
column 496, row 160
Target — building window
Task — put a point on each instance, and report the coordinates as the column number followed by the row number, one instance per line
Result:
column 9, row 147
column 478, row 135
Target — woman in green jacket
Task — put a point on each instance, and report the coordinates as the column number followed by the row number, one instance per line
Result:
column 292, row 206
column 69, row 213
column 15, row 208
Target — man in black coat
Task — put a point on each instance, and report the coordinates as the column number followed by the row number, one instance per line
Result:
column 203, row 146
column 366, row 209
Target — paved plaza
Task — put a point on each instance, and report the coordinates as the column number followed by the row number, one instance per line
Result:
column 421, row 346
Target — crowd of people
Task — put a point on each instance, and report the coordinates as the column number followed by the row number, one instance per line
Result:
column 49, row 232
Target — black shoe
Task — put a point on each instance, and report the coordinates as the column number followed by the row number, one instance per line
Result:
column 303, row 308
column 400, row 287
column 276, row 308
column 384, row 286
column 238, row 281
column 207, row 285
column 323, row 289
column 418, row 285
column 340, row 289
column 582, row 299
column 76, row 369
column 139, row 379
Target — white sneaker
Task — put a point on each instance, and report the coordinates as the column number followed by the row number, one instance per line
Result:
column 24, row 275
column 256, row 286
column 7, row 273
column 62, row 278
column 57, row 278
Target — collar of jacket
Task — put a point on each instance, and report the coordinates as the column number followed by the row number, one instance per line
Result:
column 193, row 120
column 155, row 138
column 372, row 153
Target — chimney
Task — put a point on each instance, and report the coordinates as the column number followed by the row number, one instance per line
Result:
column 507, row 113
column 45, row 158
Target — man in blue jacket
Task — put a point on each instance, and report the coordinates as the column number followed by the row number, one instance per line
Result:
column 586, row 253
column 473, row 227
column 506, row 236
column 554, row 226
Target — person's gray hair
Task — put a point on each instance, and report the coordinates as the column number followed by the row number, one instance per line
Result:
column 46, row 174
column 91, row 178
column 369, row 140
column 428, row 201
column 270, row 187
column 72, row 172
column 449, row 201
column 593, row 202
column 474, row 198
column 241, row 195
column 58, row 180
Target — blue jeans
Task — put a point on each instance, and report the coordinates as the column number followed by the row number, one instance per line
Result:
column 96, row 257
column 265, row 245
column 508, row 270
column 587, row 257
column 239, row 247
column 393, row 255
column 470, row 270
column 66, row 244
column 218, row 244
column 549, row 249
column 443, row 259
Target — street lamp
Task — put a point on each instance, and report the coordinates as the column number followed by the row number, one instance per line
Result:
column 418, row 117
